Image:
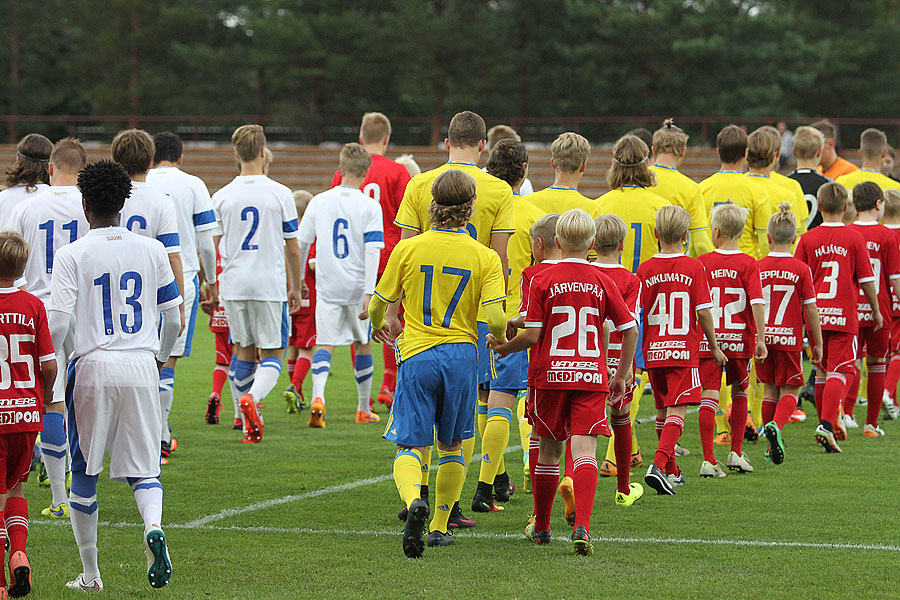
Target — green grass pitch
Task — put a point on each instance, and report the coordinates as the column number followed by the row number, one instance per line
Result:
column 833, row 519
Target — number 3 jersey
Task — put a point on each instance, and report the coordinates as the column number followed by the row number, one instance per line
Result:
column 115, row 283
column 734, row 288
column 569, row 301
column 24, row 345
column 839, row 262
column 787, row 288
column 673, row 288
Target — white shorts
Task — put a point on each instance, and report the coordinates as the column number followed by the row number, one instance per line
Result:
column 261, row 323
column 339, row 324
column 191, row 294
column 114, row 407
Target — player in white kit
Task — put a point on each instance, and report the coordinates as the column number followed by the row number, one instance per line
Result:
column 26, row 177
column 114, row 288
column 256, row 236
column 49, row 221
column 196, row 224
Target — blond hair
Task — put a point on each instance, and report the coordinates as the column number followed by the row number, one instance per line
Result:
column 672, row 224
column 762, row 145
column 669, row 139
column 808, row 141
column 545, row 228
column 13, row 254
column 374, row 128
column 630, row 164
column 268, row 157
column 782, row 227
column 575, row 231
column 891, row 203
column 301, row 201
column 729, row 219
column 412, row 167
column 569, row 151
column 832, row 198
column 248, row 141
column 354, row 160
column 501, row 132
column 134, row 150
column 611, row 232
column 68, row 155
column 872, row 143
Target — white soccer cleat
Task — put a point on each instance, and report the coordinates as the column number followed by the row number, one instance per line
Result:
column 826, row 439
column 849, row 422
column 679, row 451
column 675, row 480
column 94, row 585
column 872, row 431
column 159, row 566
column 861, row 400
column 889, row 410
column 738, row 464
column 707, row 469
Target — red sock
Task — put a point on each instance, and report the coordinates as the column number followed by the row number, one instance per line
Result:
column 534, row 445
column 893, row 377
column 659, row 427
column 819, row 393
column 769, row 406
column 672, row 428
column 849, row 401
column 784, row 409
column 835, row 388
column 389, row 381
column 301, row 368
column 569, row 469
column 585, row 484
column 707, row 420
column 546, row 480
column 16, row 519
column 621, row 426
column 875, row 391
column 220, row 376
column 738, row 420
column 290, row 365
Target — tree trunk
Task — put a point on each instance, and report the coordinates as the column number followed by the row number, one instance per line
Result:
column 14, row 44
column 134, row 65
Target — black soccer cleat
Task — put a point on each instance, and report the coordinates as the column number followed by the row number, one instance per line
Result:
column 581, row 542
column 414, row 531
column 656, row 479
column 484, row 501
column 458, row 520
column 439, row 538
column 503, row 488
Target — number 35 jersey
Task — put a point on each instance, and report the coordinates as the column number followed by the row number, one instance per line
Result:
column 734, row 288
column 839, row 261
column 115, row 283
column 673, row 289
column 569, row 301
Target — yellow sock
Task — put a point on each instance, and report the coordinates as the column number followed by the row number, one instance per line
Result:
column 635, row 406
column 524, row 427
column 494, row 442
column 468, row 448
column 722, row 424
column 426, row 464
column 448, row 484
column 754, row 397
column 481, row 417
column 408, row 474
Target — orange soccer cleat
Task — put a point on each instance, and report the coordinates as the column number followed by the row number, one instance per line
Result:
column 567, row 493
column 365, row 417
column 386, row 397
column 19, row 575
column 608, row 468
column 317, row 414
column 250, row 412
column 723, row 439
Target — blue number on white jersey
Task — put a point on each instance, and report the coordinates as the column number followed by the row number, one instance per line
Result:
column 133, row 301
column 339, row 240
column 253, row 212
column 48, row 227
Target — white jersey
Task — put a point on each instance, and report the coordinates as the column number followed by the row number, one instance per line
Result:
column 115, row 283
column 254, row 215
column 48, row 222
column 342, row 221
column 10, row 197
column 193, row 209
column 151, row 213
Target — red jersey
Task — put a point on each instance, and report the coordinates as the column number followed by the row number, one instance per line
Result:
column 527, row 275
column 385, row 182
column 787, row 288
column 895, row 312
column 630, row 288
column 674, row 288
column 569, row 301
column 24, row 344
column 884, row 256
column 734, row 288
column 308, row 304
column 838, row 259
column 218, row 322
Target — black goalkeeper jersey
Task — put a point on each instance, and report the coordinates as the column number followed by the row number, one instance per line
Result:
column 811, row 180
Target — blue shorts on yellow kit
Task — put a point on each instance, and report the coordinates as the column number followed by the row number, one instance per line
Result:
column 512, row 374
column 487, row 361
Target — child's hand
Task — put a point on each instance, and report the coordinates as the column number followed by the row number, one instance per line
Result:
column 879, row 320
column 816, row 352
column 719, row 356
column 616, row 390
column 761, row 351
column 511, row 329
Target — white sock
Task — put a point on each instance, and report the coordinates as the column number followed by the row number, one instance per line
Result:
column 266, row 377
column 321, row 365
column 363, row 369
column 148, row 494
column 166, row 398
column 53, row 455
column 84, row 526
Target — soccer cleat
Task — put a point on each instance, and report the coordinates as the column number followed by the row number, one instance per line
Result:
column 675, row 480
column 43, row 478
column 526, row 482
column 635, row 493
column 808, row 391
column 386, row 397
column 581, row 542
column 750, row 432
column 889, row 410
column 365, row 417
column 439, row 538
column 213, row 405
column 79, row 583
column 159, row 567
column 862, row 401
column 768, row 456
column 249, row 438
column 19, row 575
column 872, row 431
column 414, row 530
column 679, row 451
column 637, row 460
column 238, row 424
column 798, row 416
column 483, row 502
column 541, row 538
column 317, row 414
column 608, row 468
column 459, row 520
column 848, row 422
column 173, row 444
column 738, row 463
column 707, row 469
column 503, row 488
column 292, row 399
column 57, row 512
column 839, row 432
column 656, row 479
column 165, row 449
column 723, row 439
column 567, row 493
column 250, row 411
column 826, row 439
column 776, row 444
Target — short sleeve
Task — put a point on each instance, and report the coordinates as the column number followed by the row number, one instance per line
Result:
column 762, row 211
column 754, row 285
column 535, row 314
column 289, row 223
column 204, row 217
column 167, row 294
column 699, row 218
column 633, row 297
column 217, row 213
column 374, row 228
column 44, row 343
column 700, row 288
column 523, row 296
column 892, row 257
column 407, row 215
column 800, row 252
column 306, row 233
column 336, row 180
column 505, row 219
column 863, row 265
column 807, row 291
column 493, row 287
column 63, row 283
column 400, row 184
column 168, row 226
column 389, row 286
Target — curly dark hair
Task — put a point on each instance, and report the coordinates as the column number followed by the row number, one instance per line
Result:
column 32, row 163
column 104, row 185
column 507, row 161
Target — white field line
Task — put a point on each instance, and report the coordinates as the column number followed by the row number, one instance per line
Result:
column 508, row 536
column 231, row 512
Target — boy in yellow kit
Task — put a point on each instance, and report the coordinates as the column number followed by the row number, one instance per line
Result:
column 872, row 149
column 569, row 154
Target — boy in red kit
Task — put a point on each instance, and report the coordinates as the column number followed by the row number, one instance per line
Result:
column 24, row 395
column 568, row 304
column 891, row 220
column 739, row 316
column 884, row 255
column 674, row 288
column 839, row 261
column 303, row 325
column 218, row 324
column 788, row 290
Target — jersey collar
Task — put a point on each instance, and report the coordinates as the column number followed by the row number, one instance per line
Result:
column 659, row 166
column 448, row 230
column 668, row 255
column 781, row 254
column 892, row 226
column 459, row 162
column 608, row 265
column 574, row 260
column 107, row 230
column 824, row 224
column 562, row 188
column 727, row 252
column 760, row 175
column 864, row 223
column 729, row 172
column 9, row 290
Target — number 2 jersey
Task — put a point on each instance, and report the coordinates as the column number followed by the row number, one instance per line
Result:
column 884, row 256
column 674, row 288
column 569, row 301
column 734, row 288
column 787, row 287
column 839, row 261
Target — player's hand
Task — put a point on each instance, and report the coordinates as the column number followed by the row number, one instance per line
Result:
column 293, row 301
column 761, row 351
column 304, row 290
column 181, row 315
column 719, row 356
column 816, row 352
column 879, row 320
column 364, row 314
column 511, row 329
column 212, row 295
column 159, row 366
column 616, row 389
column 208, row 308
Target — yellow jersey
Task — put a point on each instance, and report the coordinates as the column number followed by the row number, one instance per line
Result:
column 779, row 193
column 445, row 277
column 681, row 190
column 860, row 175
column 793, row 186
column 743, row 191
column 518, row 251
column 556, row 199
column 636, row 206
column 493, row 203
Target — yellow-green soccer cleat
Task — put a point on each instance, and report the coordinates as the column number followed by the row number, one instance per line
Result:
column 635, row 493
column 57, row 512
column 581, row 542
column 541, row 538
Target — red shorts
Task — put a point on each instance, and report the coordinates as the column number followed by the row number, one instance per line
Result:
column 16, row 452
column 303, row 330
column 838, row 352
column 218, row 322
column 873, row 343
column 223, row 348
column 781, row 367
column 674, row 386
column 557, row 414
column 737, row 371
column 895, row 334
